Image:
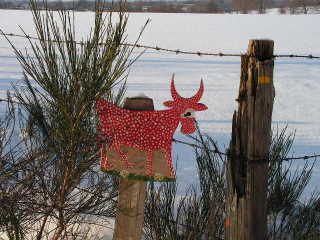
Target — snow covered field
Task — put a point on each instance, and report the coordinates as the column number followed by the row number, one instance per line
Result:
column 296, row 80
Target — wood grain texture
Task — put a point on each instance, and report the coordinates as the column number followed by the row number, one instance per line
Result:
column 247, row 170
column 132, row 194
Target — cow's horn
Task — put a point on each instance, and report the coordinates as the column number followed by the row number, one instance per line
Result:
column 174, row 92
column 196, row 98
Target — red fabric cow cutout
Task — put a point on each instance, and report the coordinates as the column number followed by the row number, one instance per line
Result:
column 147, row 130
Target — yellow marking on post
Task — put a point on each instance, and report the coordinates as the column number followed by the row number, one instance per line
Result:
column 264, row 79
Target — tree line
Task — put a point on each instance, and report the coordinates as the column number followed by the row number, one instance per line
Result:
column 206, row 6
column 284, row 6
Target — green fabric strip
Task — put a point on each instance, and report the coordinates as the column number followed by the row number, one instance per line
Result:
column 133, row 176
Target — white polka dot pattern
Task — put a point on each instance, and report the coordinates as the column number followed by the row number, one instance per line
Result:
column 146, row 130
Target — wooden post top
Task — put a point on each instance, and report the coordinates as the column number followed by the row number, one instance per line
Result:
column 261, row 49
column 139, row 104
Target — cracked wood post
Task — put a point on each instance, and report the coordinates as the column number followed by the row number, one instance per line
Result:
column 130, row 213
column 247, row 168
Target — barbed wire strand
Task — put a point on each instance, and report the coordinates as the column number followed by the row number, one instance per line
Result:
column 176, row 51
column 305, row 157
column 301, row 157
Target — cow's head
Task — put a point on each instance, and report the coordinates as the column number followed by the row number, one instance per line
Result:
column 186, row 107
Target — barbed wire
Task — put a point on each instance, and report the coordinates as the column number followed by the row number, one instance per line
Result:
column 310, row 56
column 176, row 51
column 305, row 157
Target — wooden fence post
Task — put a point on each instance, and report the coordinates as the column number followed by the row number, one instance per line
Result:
column 247, row 168
column 130, row 214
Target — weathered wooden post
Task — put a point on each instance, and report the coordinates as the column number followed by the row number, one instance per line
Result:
column 249, row 146
column 132, row 193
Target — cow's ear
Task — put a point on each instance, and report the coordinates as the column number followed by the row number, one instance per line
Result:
column 169, row 103
column 200, row 107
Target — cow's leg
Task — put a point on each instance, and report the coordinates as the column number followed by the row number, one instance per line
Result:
column 149, row 169
column 169, row 161
column 104, row 160
column 116, row 147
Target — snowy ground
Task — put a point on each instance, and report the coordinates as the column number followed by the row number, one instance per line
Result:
column 296, row 80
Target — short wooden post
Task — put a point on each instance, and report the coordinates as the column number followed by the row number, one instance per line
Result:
column 130, row 214
column 247, row 171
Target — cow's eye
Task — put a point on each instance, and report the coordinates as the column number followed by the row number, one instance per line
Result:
column 187, row 114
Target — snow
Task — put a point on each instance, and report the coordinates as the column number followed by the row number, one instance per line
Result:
column 296, row 80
